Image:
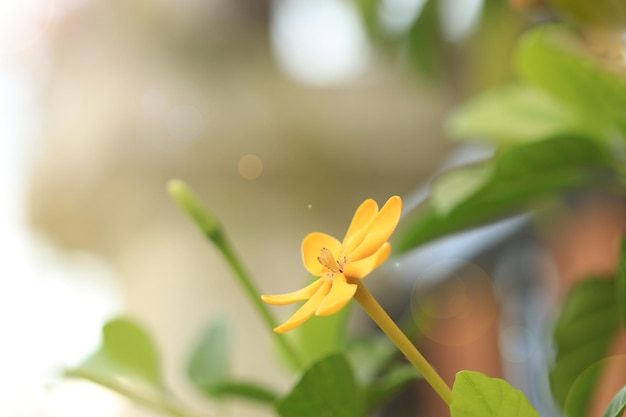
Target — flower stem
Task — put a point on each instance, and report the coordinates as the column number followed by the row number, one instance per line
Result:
column 382, row 319
column 212, row 230
column 253, row 294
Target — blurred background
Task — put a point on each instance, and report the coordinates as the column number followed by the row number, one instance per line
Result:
column 283, row 115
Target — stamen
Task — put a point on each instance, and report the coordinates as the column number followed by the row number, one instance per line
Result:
column 327, row 259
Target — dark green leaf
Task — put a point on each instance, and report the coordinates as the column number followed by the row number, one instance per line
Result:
column 514, row 113
column 244, row 390
column 621, row 284
column 617, row 407
column 583, row 332
column 327, row 389
column 126, row 350
column 475, row 394
column 552, row 58
column 384, row 388
column 209, row 363
column 508, row 184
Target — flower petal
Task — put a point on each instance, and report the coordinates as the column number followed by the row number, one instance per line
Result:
column 340, row 294
column 312, row 246
column 303, row 294
column 362, row 268
column 381, row 228
column 307, row 309
column 363, row 215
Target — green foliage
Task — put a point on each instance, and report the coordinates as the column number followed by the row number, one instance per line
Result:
column 551, row 58
column 475, row 394
column 584, row 330
column 617, row 407
column 425, row 41
column 127, row 351
column 208, row 368
column 318, row 337
column 208, row 365
column 328, row 388
column 513, row 114
column 621, row 284
column 514, row 180
column 384, row 388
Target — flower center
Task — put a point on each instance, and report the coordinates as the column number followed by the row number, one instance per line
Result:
column 334, row 266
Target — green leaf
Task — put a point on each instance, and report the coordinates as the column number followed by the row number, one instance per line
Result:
column 244, row 390
column 327, row 388
column 617, row 407
column 509, row 183
column 552, row 58
column 621, row 284
column 320, row 336
column 514, row 113
column 475, row 394
column 126, row 350
column 426, row 41
column 582, row 335
column 385, row 387
column 209, row 363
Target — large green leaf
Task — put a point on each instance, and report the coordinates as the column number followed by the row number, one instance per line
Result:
column 617, row 407
column 243, row 390
column 507, row 184
column 475, row 394
column 552, row 58
column 621, row 284
column 515, row 113
column 209, row 363
column 126, row 350
column 582, row 335
column 328, row 388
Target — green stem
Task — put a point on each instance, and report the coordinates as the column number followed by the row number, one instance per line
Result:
column 210, row 227
column 253, row 294
column 382, row 319
column 159, row 403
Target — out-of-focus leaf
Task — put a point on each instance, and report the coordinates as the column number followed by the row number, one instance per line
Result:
column 621, row 284
column 319, row 336
column 426, row 41
column 512, row 114
column 384, row 388
column 553, row 59
column 512, row 181
column 475, row 394
column 617, row 407
column 127, row 351
column 244, row 390
column 327, row 388
column 209, row 363
column 369, row 355
column 582, row 335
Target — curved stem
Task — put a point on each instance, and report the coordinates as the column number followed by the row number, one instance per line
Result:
column 382, row 319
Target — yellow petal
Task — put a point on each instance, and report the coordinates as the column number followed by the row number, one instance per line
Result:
column 307, row 309
column 311, row 248
column 380, row 229
column 360, row 269
column 340, row 294
column 363, row 215
column 303, row 294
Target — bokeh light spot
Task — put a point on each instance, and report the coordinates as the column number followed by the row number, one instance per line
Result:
column 250, row 167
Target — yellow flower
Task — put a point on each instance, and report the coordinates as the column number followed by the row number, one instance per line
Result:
column 340, row 264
